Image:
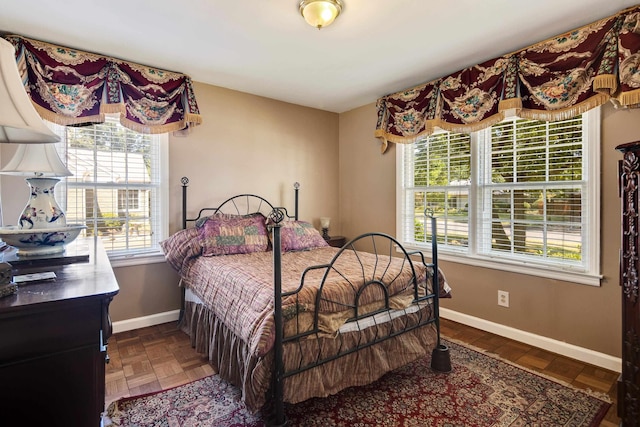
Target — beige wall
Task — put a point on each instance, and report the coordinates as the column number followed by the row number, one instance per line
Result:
column 582, row 315
column 256, row 145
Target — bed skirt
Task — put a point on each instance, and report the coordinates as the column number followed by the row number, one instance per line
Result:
column 231, row 359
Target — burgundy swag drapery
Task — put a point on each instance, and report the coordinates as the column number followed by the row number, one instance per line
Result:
column 72, row 87
column 552, row 80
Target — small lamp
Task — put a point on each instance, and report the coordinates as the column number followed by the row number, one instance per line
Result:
column 320, row 13
column 42, row 166
column 324, row 223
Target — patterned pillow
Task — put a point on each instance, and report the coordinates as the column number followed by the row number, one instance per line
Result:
column 181, row 247
column 230, row 234
column 201, row 221
column 300, row 236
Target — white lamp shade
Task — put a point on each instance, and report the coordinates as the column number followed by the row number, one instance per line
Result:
column 39, row 160
column 325, row 222
column 19, row 120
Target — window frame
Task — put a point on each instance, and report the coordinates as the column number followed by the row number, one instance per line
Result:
column 471, row 255
column 131, row 257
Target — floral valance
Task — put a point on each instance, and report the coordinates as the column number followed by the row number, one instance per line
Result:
column 72, row 87
column 552, row 80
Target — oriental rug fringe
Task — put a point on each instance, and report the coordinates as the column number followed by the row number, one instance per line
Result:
column 481, row 391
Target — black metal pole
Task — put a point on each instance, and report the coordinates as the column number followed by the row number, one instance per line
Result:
column 279, row 418
column 440, row 356
column 185, row 183
column 296, row 186
column 436, row 275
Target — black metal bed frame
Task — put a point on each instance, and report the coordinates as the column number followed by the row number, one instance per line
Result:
column 440, row 360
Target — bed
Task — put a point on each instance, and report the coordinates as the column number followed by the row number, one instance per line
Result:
column 286, row 317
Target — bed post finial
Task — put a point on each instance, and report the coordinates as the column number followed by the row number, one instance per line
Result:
column 185, row 182
column 296, row 186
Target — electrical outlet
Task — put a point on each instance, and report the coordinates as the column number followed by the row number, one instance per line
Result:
column 503, row 298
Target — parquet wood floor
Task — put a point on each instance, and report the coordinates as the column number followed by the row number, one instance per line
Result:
column 160, row 357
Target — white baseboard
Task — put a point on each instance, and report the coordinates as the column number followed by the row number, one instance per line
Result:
column 569, row 350
column 143, row 322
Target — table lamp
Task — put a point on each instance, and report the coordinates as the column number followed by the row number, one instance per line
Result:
column 324, row 224
column 42, row 225
column 42, row 167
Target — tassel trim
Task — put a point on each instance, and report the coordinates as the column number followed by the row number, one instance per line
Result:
column 113, row 108
column 565, row 113
column 66, row 120
column 606, row 83
column 471, row 127
column 396, row 139
column 629, row 99
column 384, row 146
column 510, row 104
column 180, row 128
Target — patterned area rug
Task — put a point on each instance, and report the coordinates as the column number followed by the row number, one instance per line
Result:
column 480, row 391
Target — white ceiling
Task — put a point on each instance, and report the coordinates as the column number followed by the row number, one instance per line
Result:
column 264, row 47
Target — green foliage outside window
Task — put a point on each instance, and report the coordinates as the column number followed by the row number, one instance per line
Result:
column 532, row 187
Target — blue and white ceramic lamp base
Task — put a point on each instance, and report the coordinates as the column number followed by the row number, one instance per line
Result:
column 42, row 228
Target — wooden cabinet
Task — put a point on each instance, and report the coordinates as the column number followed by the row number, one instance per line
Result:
column 629, row 382
column 53, row 341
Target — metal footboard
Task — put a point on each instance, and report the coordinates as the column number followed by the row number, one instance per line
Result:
column 385, row 249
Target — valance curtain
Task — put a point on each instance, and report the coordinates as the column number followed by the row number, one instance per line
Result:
column 552, row 80
column 72, row 87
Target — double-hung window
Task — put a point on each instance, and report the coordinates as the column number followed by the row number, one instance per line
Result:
column 118, row 188
column 522, row 195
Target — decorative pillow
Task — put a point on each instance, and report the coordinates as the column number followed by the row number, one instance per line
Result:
column 181, row 247
column 200, row 222
column 300, row 236
column 231, row 234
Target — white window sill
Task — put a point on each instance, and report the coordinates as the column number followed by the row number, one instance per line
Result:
column 137, row 259
column 521, row 268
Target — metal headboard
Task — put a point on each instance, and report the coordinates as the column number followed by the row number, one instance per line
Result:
column 240, row 204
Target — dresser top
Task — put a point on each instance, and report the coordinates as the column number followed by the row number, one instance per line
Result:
column 76, row 277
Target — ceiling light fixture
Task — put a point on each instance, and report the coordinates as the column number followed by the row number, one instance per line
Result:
column 320, row 13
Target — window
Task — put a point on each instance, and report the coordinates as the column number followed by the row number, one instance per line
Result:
column 118, row 188
column 522, row 195
column 128, row 199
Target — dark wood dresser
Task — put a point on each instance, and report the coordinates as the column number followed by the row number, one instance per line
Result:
column 53, row 339
column 629, row 382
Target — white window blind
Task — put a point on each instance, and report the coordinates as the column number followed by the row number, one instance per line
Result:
column 521, row 193
column 118, row 188
column 533, row 190
column 437, row 177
